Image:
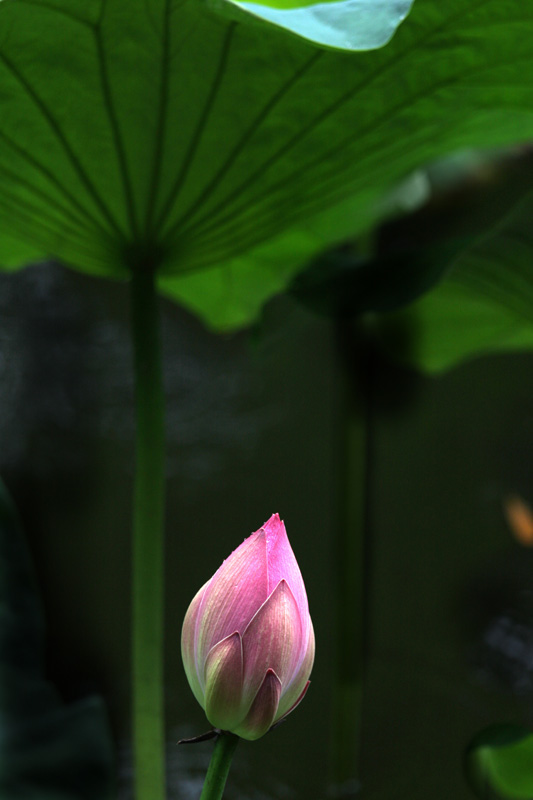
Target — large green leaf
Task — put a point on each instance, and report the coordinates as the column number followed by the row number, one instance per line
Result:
column 228, row 153
column 484, row 305
column 49, row 750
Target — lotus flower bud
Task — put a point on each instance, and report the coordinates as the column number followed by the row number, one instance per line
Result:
column 247, row 642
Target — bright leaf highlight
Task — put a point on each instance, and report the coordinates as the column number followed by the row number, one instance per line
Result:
column 247, row 642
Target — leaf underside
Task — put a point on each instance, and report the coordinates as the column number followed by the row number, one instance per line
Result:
column 228, row 154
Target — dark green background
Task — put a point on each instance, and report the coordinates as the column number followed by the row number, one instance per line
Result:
column 254, row 428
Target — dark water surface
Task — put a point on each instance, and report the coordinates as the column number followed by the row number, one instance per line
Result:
column 254, row 428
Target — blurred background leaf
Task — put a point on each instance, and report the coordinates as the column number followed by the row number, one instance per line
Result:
column 499, row 763
column 484, row 304
column 50, row 750
column 448, row 281
column 456, row 201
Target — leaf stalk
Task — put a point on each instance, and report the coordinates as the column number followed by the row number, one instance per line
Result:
column 148, row 542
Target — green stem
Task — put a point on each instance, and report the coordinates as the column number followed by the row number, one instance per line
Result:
column 217, row 774
column 348, row 696
column 148, row 543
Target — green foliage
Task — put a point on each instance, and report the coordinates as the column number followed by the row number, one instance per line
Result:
column 464, row 258
column 409, row 254
column 484, row 304
column 228, row 153
column 498, row 764
column 50, row 751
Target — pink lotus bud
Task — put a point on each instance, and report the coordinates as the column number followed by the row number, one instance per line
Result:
column 247, row 642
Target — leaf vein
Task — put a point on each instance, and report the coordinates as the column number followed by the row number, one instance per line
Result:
column 61, row 138
column 392, row 63
column 50, row 201
column 161, row 121
column 51, row 178
column 54, row 10
column 115, row 127
column 247, row 136
column 200, row 127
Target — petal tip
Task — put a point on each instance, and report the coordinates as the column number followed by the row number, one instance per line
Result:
column 295, row 704
column 223, row 682
column 273, row 520
column 263, row 709
column 274, row 528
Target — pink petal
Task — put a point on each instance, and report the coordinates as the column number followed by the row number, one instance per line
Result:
column 263, row 709
column 223, row 683
column 293, row 687
column 273, row 639
column 188, row 636
column 234, row 594
column 282, row 565
column 280, row 717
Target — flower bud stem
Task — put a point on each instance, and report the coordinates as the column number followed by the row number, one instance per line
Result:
column 219, row 766
column 148, row 540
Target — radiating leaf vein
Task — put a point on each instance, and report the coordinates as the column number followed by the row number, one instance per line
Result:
column 50, row 202
column 72, row 200
column 60, row 136
column 161, row 122
column 115, row 129
column 225, row 205
column 240, row 146
column 56, row 10
column 189, row 156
